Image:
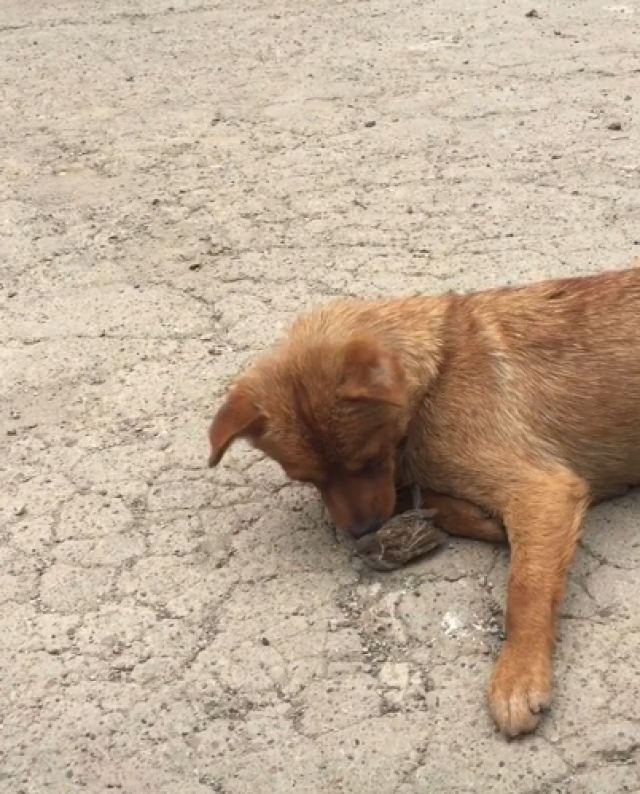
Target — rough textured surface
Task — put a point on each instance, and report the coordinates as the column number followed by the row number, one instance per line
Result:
column 179, row 178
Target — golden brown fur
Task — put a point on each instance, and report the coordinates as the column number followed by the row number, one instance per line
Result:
column 517, row 409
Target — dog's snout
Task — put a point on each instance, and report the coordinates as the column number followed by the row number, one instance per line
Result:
column 367, row 527
column 360, row 505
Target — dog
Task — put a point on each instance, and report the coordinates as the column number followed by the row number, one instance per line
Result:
column 513, row 409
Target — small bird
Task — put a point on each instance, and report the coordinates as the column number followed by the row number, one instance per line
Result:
column 403, row 538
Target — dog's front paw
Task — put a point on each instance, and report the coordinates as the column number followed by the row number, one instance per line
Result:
column 521, row 690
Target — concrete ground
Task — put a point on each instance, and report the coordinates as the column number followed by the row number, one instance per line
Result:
column 179, row 177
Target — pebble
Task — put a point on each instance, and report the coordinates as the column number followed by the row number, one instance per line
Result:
column 616, row 126
column 279, row 676
column 395, row 675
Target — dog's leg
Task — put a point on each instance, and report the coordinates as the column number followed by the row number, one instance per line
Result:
column 543, row 518
column 462, row 518
column 454, row 516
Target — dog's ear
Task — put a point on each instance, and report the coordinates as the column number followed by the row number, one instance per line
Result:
column 238, row 417
column 372, row 374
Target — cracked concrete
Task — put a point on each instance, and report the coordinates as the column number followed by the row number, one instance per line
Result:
column 179, row 179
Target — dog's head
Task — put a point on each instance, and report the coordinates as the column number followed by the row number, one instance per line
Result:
column 333, row 413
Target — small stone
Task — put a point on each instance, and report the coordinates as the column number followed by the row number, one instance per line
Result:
column 395, row 675
column 265, row 641
column 533, row 14
column 12, row 431
column 369, row 124
column 616, row 126
column 279, row 676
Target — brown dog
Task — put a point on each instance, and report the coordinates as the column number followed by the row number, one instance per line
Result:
column 515, row 407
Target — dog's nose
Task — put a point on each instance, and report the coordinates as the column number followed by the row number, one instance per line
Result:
column 367, row 527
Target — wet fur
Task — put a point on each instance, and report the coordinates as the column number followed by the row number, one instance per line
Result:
column 520, row 408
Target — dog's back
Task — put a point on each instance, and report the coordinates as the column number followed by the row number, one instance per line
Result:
column 557, row 366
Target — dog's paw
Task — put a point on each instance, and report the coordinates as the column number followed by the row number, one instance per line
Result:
column 521, row 691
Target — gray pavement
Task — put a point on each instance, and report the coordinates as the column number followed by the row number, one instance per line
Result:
column 179, row 178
